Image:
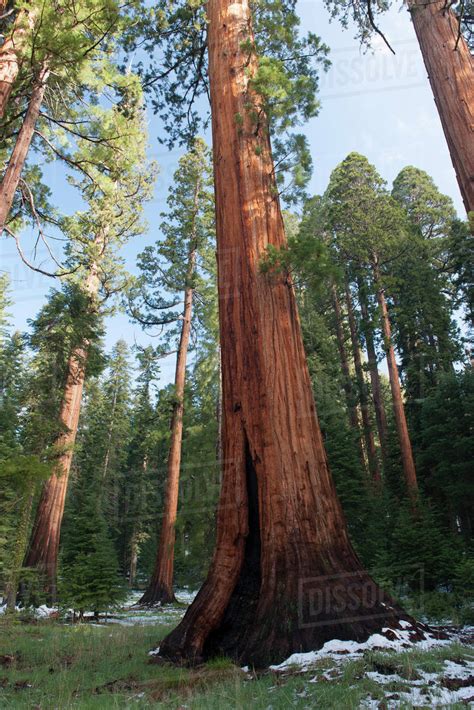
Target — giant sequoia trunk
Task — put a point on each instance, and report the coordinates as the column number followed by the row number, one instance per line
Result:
column 160, row 589
column 397, row 400
column 346, row 375
column 284, row 576
column 44, row 542
column 363, row 398
column 17, row 160
column 450, row 68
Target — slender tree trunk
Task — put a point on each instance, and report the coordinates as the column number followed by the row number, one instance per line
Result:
column 135, row 537
column 364, row 400
column 160, row 589
column 44, row 542
column 367, row 329
column 450, row 68
column 397, row 400
column 21, row 544
column 284, row 574
column 110, row 432
column 133, row 560
column 16, row 163
column 11, row 53
column 347, row 380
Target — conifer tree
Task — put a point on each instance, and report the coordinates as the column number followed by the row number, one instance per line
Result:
column 114, row 196
column 139, row 481
column 176, row 265
column 443, row 37
column 370, row 229
column 279, row 519
column 50, row 60
column 423, row 316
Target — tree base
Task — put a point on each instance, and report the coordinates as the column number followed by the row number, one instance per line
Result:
column 159, row 595
column 250, row 636
column 259, row 610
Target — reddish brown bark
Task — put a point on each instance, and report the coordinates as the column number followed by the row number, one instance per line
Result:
column 17, row 160
column 363, row 398
column 450, row 68
column 44, row 542
column 160, row 589
column 346, row 374
column 284, row 576
column 397, row 400
column 11, row 54
column 367, row 329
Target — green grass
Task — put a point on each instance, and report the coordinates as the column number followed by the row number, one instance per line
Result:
column 49, row 665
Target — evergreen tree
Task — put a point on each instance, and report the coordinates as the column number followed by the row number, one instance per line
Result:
column 114, row 198
column 180, row 266
column 370, row 231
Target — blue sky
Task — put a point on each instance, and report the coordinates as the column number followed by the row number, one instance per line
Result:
column 374, row 103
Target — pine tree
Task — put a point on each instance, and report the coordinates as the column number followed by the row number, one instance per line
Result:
column 177, row 265
column 114, row 199
column 138, row 480
column 49, row 64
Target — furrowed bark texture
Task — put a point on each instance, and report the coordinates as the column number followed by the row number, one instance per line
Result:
column 367, row 329
column 16, row 163
column 397, row 400
column 11, row 54
column 160, row 589
column 364, row 400
column 347, row 380
column 450, row 68
column 284, row 576
column 44, row 542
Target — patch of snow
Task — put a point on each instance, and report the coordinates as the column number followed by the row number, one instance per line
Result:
column 456, row 670
column 44, row 612
column 432, row 692
column 352, row 649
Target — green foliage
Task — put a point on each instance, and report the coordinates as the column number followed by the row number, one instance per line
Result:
column 355, row 224
column 350, row 12
column 184, row 257
column 447, row 447
column 286, row 81
column 89, row 578
column 20, row 477
column 78, row 44
column 62, row 325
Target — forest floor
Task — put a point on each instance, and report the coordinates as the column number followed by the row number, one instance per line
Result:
column 46, row 664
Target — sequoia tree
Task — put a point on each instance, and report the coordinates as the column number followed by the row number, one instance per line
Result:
column 284, row 576
column 114, row 202
column 188, row 231
column 443, row 31
column 371, row 230
column 59, row 50
column 450, row 68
